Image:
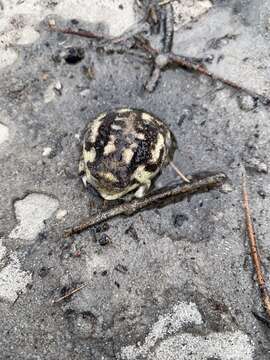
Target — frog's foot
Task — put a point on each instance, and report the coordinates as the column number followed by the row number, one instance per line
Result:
column 82, row 172
column 143, row 189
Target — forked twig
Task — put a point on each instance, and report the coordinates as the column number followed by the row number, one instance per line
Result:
column 69, row 294
column 254, row 252
column 172, row 59
column 176, row 193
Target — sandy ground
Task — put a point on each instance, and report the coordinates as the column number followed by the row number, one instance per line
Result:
column 174, row 283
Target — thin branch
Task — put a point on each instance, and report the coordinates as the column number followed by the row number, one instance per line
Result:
column 172, row 59
column 254, row 252
column 69, row 294
column 153, row 79
column 183, row 62
column 174, row 193
column 179, row 173
column 168, row 29
column 81, row 33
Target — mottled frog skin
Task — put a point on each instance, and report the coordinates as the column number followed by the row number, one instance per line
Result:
column 123, row 150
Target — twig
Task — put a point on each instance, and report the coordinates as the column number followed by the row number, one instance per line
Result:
column 175, row 192
column 183, row 62
column 179, row 173
column 169, row 29
column 172, row 59
column 81, row 33
column 256, row 259
column 69, row 294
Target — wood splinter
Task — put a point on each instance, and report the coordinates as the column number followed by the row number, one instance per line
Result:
column 175, row 192
column 69, row 294
column 254, row 252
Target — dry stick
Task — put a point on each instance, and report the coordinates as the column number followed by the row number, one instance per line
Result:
column 81, row 33
column 256, row 259
column 179, row 173
column 133, row 206
column 172, row 58
column 178, row 60
column 69, row 294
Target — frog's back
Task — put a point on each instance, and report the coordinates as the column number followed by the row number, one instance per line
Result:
column 121, row 143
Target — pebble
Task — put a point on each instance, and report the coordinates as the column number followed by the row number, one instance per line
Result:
column 257, row 165
column 47, row 151
column 247, row 102
column 58, row 87
column 104, row 240
column 262, row 193
column 85, row 93
column 61, row 213
column 4, row 133
column 226, row 188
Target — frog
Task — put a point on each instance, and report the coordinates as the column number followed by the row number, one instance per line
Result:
column 123, row 151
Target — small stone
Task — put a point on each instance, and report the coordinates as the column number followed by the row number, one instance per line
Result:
column 77, row 136
column 262, row 193
column 58, row 87
column 257, row 165
column 85, row 93
column 262, row 168
column 247, row 102
column 104, row 240
column 4, row 133
column 47, row 151
column 51, row 23
column 226, row 188
column 61, row 213
column 45, row 76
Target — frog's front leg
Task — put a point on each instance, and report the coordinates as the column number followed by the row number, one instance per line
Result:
column 82, row 171
column 143, row 189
